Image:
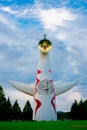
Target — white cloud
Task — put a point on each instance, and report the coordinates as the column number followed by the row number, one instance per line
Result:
column 7, row 22
column 65, row 101
column 62, row 36
column 54, row 17
column 51, row 18
column 74, row 96
column 8, row 10
column 3, row 19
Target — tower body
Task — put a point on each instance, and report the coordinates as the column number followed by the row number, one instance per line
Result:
column 44, row 95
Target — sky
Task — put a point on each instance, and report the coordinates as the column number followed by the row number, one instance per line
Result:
column 23, row 24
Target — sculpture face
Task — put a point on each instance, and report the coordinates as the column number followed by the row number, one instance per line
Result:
column 45, row 87
column 44, row 45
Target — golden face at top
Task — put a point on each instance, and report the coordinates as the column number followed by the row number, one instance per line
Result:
column 44, row 45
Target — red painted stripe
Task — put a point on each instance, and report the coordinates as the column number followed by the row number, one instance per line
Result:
column 51, row 81
column 37, row 81
column 37, row 106
column 39, row 71
column 53, row 104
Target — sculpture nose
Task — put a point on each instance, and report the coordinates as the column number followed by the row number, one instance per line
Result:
column 44, row 45
column 46, row 87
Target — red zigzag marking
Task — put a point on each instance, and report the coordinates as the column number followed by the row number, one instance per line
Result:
column 51, row 81
column 38, row 103
column 37, row 81
column 39, row 71
column 53, row 104
column 37, row 106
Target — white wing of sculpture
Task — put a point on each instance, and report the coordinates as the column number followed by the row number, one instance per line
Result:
column 61, row 87
column 26, row 88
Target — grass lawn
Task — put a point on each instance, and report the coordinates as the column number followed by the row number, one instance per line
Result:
column 58, row 125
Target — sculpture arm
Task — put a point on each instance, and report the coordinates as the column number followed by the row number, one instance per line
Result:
column 61, row 87
column 26, row 88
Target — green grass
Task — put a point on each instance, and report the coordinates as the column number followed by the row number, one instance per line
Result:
column 58, row 125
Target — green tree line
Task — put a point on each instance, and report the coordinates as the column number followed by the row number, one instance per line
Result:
column 13, row 112
column 78, row 111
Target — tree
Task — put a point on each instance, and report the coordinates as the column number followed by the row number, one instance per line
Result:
column 74, row 111
column 8, row 109
column 16, row 111
column 27, row 111
column 85, row 110
column 63, row 115
column 2, row 104
column 81, row 110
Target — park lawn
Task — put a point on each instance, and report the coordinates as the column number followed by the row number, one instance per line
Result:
column 58, row 125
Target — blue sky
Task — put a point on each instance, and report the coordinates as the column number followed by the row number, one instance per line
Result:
column 22, row 25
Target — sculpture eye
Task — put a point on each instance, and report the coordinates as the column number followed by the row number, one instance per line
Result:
column 44, row 86
column 42, row 45
column 47, row 82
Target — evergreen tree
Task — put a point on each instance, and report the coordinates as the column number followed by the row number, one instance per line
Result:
column 85, row 110
column 81, row 110
column 27, row 111
column 2, row 104
column 8, row 109
column 16, row 111
column 74, row 111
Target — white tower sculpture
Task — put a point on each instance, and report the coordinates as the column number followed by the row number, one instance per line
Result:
column 44, row 90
